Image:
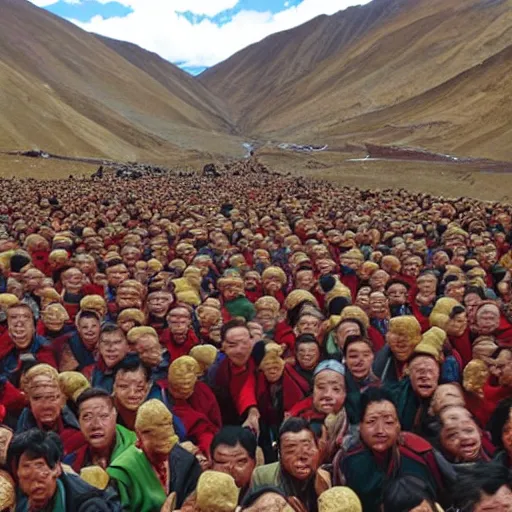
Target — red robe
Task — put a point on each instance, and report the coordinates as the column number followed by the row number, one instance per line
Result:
column 305, row 409
column 423, row 320
column 462, row 344
column 283, row 334
column 376, row 338
column 175, row 350
column 503, row 333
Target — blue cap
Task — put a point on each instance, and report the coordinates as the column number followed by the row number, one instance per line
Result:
column 330, row 364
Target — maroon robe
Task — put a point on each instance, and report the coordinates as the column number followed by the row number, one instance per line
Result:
column 177, row 350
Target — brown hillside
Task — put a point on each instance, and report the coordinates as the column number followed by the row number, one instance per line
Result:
column 64, row 90
column 419, row 59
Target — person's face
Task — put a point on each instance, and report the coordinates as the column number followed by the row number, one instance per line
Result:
column 487, row 320
column 159, row 303
column 308, row 355
column 400, row 345
column 397, row 294
column 235, row 461
column 32, row 280
column 98, row 423
column 359, row 359
column 116, row 275
column 329, row 392
column 353, row 263
column 5, row 439
column 256, row 331
column 128, row 297
column 20, row 323
column 423, row 507
column 499, row 502
column 308, row 324
column 131, row 389
column 457, row 325
column 131, row 256
column 424, row 374
column 89, row 332
column 113, row 347
column 149, row 349
column 299, row 454
column 380, row 426
column 86, row 266
column 363, row 297
column 440, row 259
column 46, row 401
column 37, row 481
column 266, row 319
column 456, row 291
column 250, row 282
column 273, row 370
column 427, row 286
column 503, row 368
column 461, row 440
column 73, row 279
column 53, row 321
column 182, row 382
column 179, row 322
column 238, row 346
column 411, row 267
column 345, row 330
column 230, row 292
column 378, row 306
column 378, row 280
column 304, row 280
column 472, row 301
column 447, row 395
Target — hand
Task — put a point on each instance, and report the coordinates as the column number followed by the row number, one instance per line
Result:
column 253, row 421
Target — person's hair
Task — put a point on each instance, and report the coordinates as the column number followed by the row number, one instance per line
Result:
column 231, row 436
column 232, row 324
column 476, row 290
column 179, row 305
column 252, row 496
column 457, row 310
column 362, row 328
column 20, row 305
column 354, row 338
column 375, row 395
column 35, row 444
column 90, row 393
column 305, row 338
column 483, row 478
column 88, row 314
column 295, row 425
column 499, row 418
column 405, row 493
column 132, row 364
column 109, row 328
column 391, row 282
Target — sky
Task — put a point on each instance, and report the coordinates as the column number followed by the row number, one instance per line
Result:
column 194, row 34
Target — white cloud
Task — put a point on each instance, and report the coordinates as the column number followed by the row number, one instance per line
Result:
column 156, row 26
column 44, row 3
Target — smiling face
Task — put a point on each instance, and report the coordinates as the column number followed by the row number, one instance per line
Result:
column 113, row 347
column 97, row 420
column 46, row 400
column 424, row 373
column 238, row 345
column 380, row 426
column 131, row 388
column 89, row 331
column 359, row 359
column 307, row 355
column 329, row 392
column 299, row 454
column 460, row 438
column 20, row 323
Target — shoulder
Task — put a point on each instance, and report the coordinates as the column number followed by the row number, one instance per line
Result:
column 302, row 406
column 415, row 443
column 266, row 474
column 181, row 458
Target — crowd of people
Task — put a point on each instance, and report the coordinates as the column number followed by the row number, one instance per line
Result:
column 254, row 342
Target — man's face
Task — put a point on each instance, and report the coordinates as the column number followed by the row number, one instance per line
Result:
column 179, row 322
column 504, row 368
column 32, row 280
column 411, row 267
column 113, row 347
column 46, row 400
column 424, row 373
column 20, row 323
column 380, row 426
column 128, row 297
column 345, row 330
column 37, row 481
column 131, row 256
column 455, row 290
column 299, row 454
column 487, row 319
column 359, row 359
column 238, row 345
column 397, row 294
column 506, row 435
column 131, row 389
column 116, row 275
column 235, row 461
column 329, row 392
column 379, row 306
column 378, row 280
column 499, row 502
column 400, row 345
column 230, row 292
column 461, row 440
column 304, row 280
column 98, row 423
column 308, row 324
column 457, row 325
column 73, row 280
column 308, row 355
column 53, row 320
column 149, row 349
column 89, row 332
column 266, row 319
column 427, row 285
column 159, row 303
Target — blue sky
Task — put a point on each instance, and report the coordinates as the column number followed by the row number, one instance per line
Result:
column 193, row 34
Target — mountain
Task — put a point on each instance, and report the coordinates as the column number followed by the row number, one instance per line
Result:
column 431, row 73
column 65, row 90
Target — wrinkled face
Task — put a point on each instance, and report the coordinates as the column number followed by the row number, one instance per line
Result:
column 457, row 325
column 128, row 297
column 73, row 280
column 411, row 267
column 113, row 347
column 46, row 400
column 440, row 259
column 32, row 280
column 424, row 373
column 53, row 320
column 157, row 439
column 131, row 389
column 97, row 420
column 37, row 481
column 159, row 303
column 471, row 302
column 380, row 426
column 397, row 294
column 305, row 280
column 359, row 359
column 427, row 285
column 238, row 345
column 299, row 454
column 329, row 392
column 116, row 275
column 267, row 319
column 379, row 306
column 345, row 330
column 179, row 322
column 461, row 440
column 5, row 439
column 235, row 461
column 447, row 395
column 89, row 332
column 499, row 502
column 487, row 319
column 250, row 282
column 308, row 324
column 308, row 355
column 400, row 345
column 20, row 323
column 149, row 349
column 503, row 368
column 86, row 266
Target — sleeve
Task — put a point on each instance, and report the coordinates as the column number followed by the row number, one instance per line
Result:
column 246, row 396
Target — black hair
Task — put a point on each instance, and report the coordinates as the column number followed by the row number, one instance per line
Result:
column 89, row 314
column 362, row 328
column 302, row 339
column 457, row 310
column 476, row 290
column 232, row 324
column 252, row 496
column 405, row 493
column 295, row 425
column 132, row 363
column 483, row 478
column 354, row 338
column 109, row 328
column 35, row 444
column 499, row 419
column 231, row 435
column 90, row 393
column 373, row 395
column 391, row 282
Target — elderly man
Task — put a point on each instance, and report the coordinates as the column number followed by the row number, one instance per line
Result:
column 35, row 459
column 158, row 303
column 179, row 338
column 47, row 410
column 147, row 473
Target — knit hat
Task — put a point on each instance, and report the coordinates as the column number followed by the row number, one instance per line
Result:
column 330, row 364
column 216, row 492
column 431, row 344
column 339, row 499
